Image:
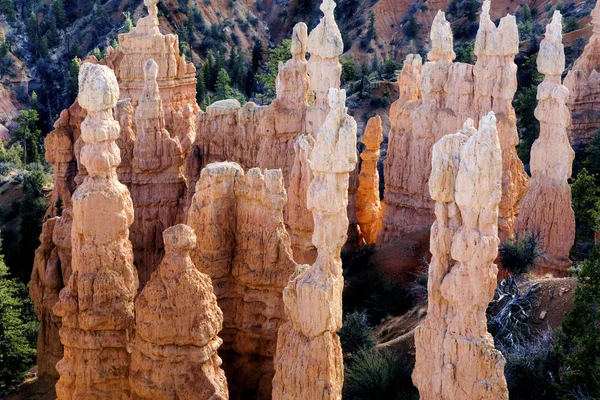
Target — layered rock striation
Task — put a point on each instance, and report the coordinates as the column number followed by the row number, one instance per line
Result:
column 309, row 362
column 174, row 352
column 157, row 182
column 583, row 82
column 368, row 205
column 449, row 94
column 495, row 86
column 455, row 355
column 246, row 251
column 96, row 305
column 546, row 207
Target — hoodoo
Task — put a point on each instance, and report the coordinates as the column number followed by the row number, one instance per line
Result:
column 546, row 208
column 308, row 363
column 454, row 352
column 96, row 305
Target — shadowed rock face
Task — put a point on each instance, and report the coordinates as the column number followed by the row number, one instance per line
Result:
column 583, row 82
column 447, row 94
column 546, row 208
column 309, row 361
column 245, row 249
column 96, row 305
column 177, row 320
column 368, row 206
column 455, row 354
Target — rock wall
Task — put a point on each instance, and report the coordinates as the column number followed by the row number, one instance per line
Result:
column 583, row 82
column 177, row 320
column 246, row 251
column 368, row 206
column 308, row 362
column 434, row 100
column 546, row 208
column 96, row 305
column 455, row 354
column 450, row 93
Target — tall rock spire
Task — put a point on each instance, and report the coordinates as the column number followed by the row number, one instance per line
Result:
column 157, row 181
column 454, row 352
column 96, row 306
column 546, row 208
column 495, row 86
column 308, row 362
column 368, row 206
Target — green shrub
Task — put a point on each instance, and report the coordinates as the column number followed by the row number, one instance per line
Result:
column 378, row 375
column 586, row 205
column 356, row 333
column 520, row 254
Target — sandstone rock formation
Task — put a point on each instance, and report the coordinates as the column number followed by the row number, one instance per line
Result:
column 455, row 355
column 495, row 86
column 177, row 320
column 583, row 82
column 546, row 208
column 368, row 206
column 450, row 93
column 46, row 283
column 434, row 100
column 246, row 251
column 157, row 182
column 309, row 363
column 96, row 305
column 176, row 78
column 299, row 218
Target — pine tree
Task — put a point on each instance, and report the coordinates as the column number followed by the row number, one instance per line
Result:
column 223, row 86
column 207, row 72
column 371, row 31
column 58, row 9
column 73, row 79
column 128, row 24
column 16, row 353
column 7, row 8
column 586, row 206
column 279, row 54
column 257, row 55
column 200, row 87
column 579, row 339
column 28, row 135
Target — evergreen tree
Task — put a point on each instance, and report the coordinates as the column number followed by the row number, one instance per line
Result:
column 200, row 87
column 207, row 72
column 73, row 80
column 52, row 33
column 267, row 79
column 579, row 341
column 250, row 83
column 411, row 27
column 586, row 206
column 371, row 31
column 7, row 8
column 58, row 9
column 16, row 353
column 128, row 24
column 28, row 134
column 223, row 86
column 33, row 207
column 257, row 55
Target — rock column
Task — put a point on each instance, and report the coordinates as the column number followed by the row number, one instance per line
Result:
column 96, row 306
column 368, row 206
column 546, row 208
column 308, row 362
column 177, row 320
column 495, row 86
column 455, row 355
